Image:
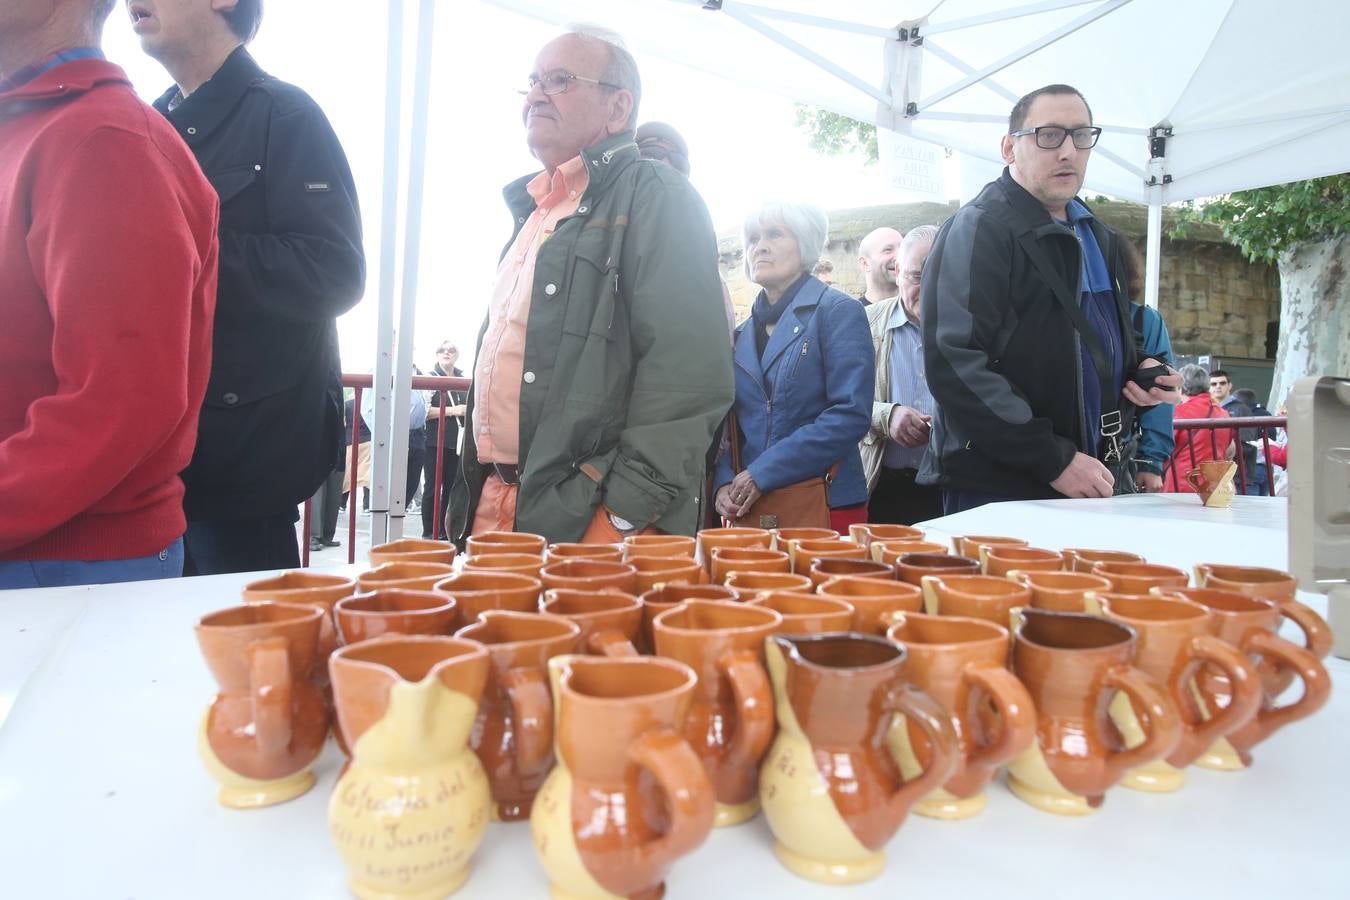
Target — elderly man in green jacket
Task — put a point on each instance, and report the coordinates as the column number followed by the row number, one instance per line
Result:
column 602, row 370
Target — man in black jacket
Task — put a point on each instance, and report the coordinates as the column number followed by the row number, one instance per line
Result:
column 1028, row 345
column 291, row 262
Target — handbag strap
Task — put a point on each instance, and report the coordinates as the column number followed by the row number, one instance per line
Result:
column 734, row 436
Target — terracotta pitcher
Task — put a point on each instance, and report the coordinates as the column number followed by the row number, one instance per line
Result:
column 783, row 538
column 413, row 550
column 871, row 599
column 478, row 591
column 654, row 570
column 911, row 567
column 512, row 563
column 804, row 553
column 968, row 545
column 1078, row 559
column 1174, row 643
column 1250, row 624
column 1002, row 559
column 831, row 787
column 562, row 552
column 748, row 585
column 412, row 576
column 658, row 545
column 411, row 808
column 1140, row 578
column 1273, row 584
column 361, row 617
column 962, row 664
column 710, row 538
column 513, row 733
column 590, row 575
column 864, row 533
column 1213, row 481
column 974, row 596
column 669, row 596
column 806, row 613
column 266, row 727
column 822, row 570
column 1072, row 664
column 890, row 552
column 609, row 620
column 1062, row 591
column 726, row 560
column 315, row 588
column 730, row 720
column 490, row 543
column 628, row 795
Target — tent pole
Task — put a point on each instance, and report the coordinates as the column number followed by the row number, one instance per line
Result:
column 1153, row 249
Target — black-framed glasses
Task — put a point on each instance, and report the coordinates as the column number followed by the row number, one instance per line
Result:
column 1050, row 137
column 448, row 350
column 558, row 81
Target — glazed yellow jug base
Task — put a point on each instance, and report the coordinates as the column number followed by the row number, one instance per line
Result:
column 1221, row 757
column 1033, row 783
column 555, row 844
column 824, row 872
column 240, row 792
column 444, row 889
column 1158, row 777
column 727, row 814
column 942, row 804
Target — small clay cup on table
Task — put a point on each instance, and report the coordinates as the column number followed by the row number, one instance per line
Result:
column 1273, row 584
column 590, row 575
column 610, row 620
column 1140, row 578
column 413, row 550
column 361, row 617
column 658, row 570
column 1062, row 591
column 730, row 719
column 490, row 543
column 311, row 588
column 477, row 592
column 1000, row 560
column 514, row 563
column 911, row 567
column 806, row 613
column 872, row 599
column 822, row 570
column 783, row 537
column 1212, row 480
column 748, row 585
column 562, row 552
column 805, row 553
column 412, row 576
column 890, row 552
column 1078, row 559
column 726, row 560
column 710, row 538
column 974, row 597
column 864, row 533
column 658, row 545
column 969, row 544
column 668, row 596
column 513, row 734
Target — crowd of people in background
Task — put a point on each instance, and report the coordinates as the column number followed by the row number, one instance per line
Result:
column 171, row 362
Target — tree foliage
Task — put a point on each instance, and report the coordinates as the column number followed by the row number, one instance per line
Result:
column 834, row 135
column 1265, row 222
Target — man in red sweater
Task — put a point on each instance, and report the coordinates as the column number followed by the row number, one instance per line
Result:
column 107, row 289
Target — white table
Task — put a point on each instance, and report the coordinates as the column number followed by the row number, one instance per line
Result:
column 102, row 793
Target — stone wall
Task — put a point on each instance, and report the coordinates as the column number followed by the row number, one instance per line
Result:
column 1214, row 301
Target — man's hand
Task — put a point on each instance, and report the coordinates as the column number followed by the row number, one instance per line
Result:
column 1148, row 483
column 1157, row 394
column 908, row 427
column 1084, row 477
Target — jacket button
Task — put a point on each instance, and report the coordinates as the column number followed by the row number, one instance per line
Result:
column 230, row 398
column 583, row 209
column 550, row 289
column 191, row 130
column 529, row 378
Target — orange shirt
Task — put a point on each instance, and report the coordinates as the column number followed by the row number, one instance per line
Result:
column 500, row 365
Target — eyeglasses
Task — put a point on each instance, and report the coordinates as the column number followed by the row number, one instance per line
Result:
column 1050, row 137
column 558, row 81
column 444, row 350
column 912, row 277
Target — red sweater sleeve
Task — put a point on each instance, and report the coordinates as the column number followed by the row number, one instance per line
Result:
column 113, row 248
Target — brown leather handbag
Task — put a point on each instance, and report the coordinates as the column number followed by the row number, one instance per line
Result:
column 805, row 504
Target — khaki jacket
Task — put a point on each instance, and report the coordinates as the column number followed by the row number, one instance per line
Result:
column 874, row 442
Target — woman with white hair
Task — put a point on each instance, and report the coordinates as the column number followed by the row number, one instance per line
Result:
column 1194, row 446
column 804, row 373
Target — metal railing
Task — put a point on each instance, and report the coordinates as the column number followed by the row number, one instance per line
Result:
column 360, row 383
column 1265, row 423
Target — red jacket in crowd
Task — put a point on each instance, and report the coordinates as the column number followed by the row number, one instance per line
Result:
column 107, row 291
column 1194, row 446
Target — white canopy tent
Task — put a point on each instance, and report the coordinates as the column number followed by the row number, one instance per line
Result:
column 1196, row 97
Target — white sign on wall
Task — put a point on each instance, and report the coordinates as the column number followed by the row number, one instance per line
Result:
column 912, row 167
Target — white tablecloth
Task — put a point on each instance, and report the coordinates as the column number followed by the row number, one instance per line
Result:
column 102, row 794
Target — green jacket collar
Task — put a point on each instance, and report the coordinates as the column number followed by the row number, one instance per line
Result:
column 603, row 161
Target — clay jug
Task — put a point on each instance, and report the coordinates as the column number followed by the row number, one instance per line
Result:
column 822, row 570
column 806, row 613
column 962, row 664
column 890, row 552
column 831, row 786
column 609, row 620
column 710, row 538
column 365, row 616
column 748, row 585
column 655, row 570
column 669, row 596
column 266, row 727
column 315, row 588
column 911, row 567
column 628, row 796
column 968, row 545
column 804, row 553
column 1077, row 559
column 864, row 533
column 1273, row 584
column 1250, row 624
column 590, row 575
column 1174, row 643
column 999, row 560
column 726, row 560
column 511, row 563
column 1213, row 481
column 513, row 732
column 563, row 551
column 479, row 591
column 784, row 538
column 1072, row 664
column 410, row 810
column 490, row 543
column 974, row 597
column 658, row 545
column 1062, row 591
column 412, row 576
column 1139, row 578
column 871, row 599
column 730, row 720
column 413, row 550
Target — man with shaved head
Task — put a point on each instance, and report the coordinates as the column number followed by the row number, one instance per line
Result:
column 602, row 370
column 107, row 287
column 879, row 259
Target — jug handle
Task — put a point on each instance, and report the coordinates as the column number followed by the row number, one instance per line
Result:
column 1014, row 706
column 532, row 709
column 1244, row 682
column 1159, row 718
column 945, row 747
column 754, row 705
column 1316, row 632
column 1309, row 669
column 610, row 643
column 681, row 776
column 269, row 677
column 1196, row 480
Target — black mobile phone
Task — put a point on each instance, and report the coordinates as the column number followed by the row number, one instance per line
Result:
column 1147, row 378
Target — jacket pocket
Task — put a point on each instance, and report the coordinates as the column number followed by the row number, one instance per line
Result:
column 230, row 183
column 593, row 289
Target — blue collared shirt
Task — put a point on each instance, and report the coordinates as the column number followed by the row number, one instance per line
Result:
column 909, row 385
column 33, row 70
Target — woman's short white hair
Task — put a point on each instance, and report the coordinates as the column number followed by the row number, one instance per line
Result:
column 805, row 222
